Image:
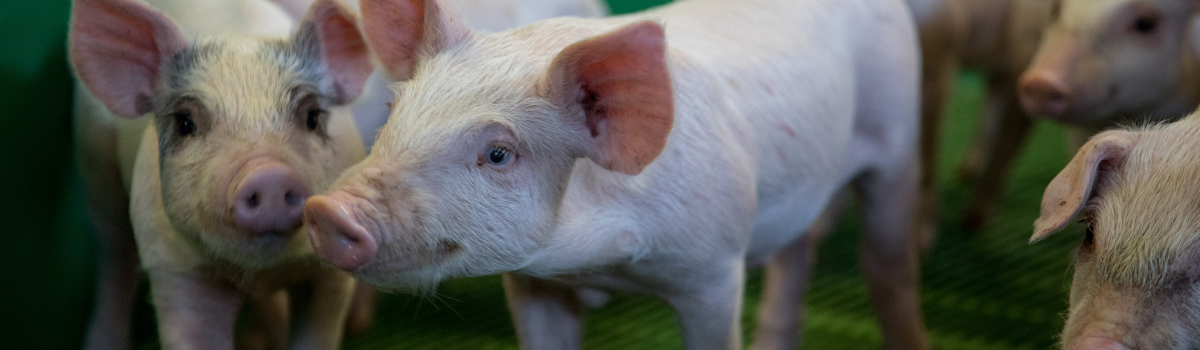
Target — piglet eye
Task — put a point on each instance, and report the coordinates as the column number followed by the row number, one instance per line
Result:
column 498, row 155
column 314, row 118
column 184, row 124
column 1145, row 24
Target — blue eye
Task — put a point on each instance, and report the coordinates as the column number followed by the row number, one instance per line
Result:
column 498, row 155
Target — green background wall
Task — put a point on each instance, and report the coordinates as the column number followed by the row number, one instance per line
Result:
column 984, row 290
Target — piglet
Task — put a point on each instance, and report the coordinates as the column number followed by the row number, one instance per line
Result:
column 615, row 154
column 371, row 109
column 996, row 38
column 201, row 143
column 1137, row 271
column 1102, row 63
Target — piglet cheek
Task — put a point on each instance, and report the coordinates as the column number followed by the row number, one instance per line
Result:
column 336, row 235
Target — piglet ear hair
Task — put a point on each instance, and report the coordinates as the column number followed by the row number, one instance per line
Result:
column 401, row 31
column 118, row 48
column 621, row 83
column 1075, row 184
column 342, row 48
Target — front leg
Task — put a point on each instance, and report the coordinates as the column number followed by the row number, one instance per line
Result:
column 323, row 320
column 546, row 315
column 1012, row 129
column 194, row 313
column 709, row 316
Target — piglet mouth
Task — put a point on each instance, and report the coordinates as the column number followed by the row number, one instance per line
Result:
column 1098, row 343
column 336, row 235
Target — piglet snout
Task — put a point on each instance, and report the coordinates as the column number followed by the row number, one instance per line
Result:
column 269, row 199
column 336, row 235
column 1098, row 343
column 1044, row 94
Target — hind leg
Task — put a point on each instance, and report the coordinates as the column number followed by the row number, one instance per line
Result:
column 781, row 313
column 887, row 256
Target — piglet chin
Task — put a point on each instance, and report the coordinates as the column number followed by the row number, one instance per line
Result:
column 336, row 235
column 1098, row 343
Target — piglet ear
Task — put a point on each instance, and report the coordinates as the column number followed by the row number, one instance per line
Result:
column 1074, row 185
column 621, row 82
column 342, row 48
column 400, row 31
column 118, row 48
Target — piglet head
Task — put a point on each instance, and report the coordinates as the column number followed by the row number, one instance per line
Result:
column 247, row 128
column 1137, row 270
column 1102, row 60
column 468, row 175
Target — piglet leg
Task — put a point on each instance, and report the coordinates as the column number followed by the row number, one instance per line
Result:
column 780, row 314
column 118, row 273
column 117, row 280
column 1013, row 127
column 194, row 313
column 323, row 320
column 940, row 66
column 269, row 326
column 362, row 309
column 710, row 316
column 886, row 254
column 546, row 315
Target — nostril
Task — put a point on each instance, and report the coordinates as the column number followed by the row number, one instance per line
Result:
column 292, row 199
column 252, row 202
column 1053, row 96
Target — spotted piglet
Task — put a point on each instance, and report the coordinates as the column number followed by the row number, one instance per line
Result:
column 1137, row 271
column 616, row 154
column 209, row 142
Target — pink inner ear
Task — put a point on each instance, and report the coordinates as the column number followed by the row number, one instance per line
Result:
column 394, row 29
column 1073, row 187
column 117, row 48
column 399, row 30
column 624, row 87
column 343, row 48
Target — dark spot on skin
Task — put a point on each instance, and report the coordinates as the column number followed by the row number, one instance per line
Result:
column 388, row 104
column 1062, row 203
column 1179, row 282
column 788, row 130
column 491, row 229
column 446, row 246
